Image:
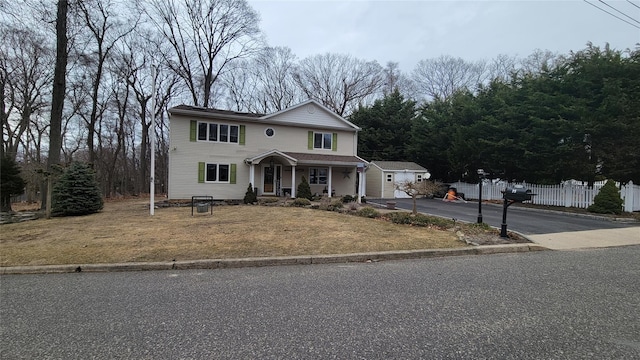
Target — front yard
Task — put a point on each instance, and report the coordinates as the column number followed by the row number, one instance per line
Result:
column 125, row 232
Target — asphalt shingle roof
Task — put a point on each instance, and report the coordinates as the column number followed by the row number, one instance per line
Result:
column 398, row 165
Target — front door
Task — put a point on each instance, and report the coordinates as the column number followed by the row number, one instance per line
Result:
column 270, row 177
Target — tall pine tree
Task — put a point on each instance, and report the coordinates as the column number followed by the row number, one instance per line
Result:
column 386, row 128
column 11, row 183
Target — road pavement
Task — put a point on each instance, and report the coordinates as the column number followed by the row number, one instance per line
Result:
column 534, row 305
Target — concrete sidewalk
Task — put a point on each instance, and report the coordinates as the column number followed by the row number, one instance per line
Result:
column 588, row 239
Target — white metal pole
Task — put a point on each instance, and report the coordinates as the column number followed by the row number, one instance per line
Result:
column 152, row 182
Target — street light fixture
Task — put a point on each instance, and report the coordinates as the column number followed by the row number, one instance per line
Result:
column 481, row 175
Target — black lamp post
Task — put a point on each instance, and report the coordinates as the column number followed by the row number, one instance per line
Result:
column 481, row 178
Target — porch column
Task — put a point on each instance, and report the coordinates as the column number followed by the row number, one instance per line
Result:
column 360, row 185
column 252, row 174
column 329, row 175
column 293, row 182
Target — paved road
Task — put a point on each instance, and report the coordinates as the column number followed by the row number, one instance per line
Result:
column 525, row 221
column 540, row 305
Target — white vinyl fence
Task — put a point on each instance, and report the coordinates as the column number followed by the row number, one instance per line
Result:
column 569, row 195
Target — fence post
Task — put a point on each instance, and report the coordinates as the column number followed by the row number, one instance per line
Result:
column 568, row 194
column 628, row 197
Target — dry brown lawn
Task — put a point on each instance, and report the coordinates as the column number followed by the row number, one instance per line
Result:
column 125, row 232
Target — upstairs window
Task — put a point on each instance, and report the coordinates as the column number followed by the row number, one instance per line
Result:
column 322, row 140
column 214, row 132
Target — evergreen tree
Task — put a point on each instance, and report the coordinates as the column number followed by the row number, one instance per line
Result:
column 386, row 128
column 250, row 196
column 76, row 192
column 11, row 183
column 608, row 200
column 304, row 190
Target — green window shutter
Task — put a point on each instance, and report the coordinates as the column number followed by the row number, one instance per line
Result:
column 334, row 142
column 243, row 132
column 194, row 130
column 200, row 172
column 310, row 142
column 232, row 175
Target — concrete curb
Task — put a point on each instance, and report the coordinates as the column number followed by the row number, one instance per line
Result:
column 272, row 261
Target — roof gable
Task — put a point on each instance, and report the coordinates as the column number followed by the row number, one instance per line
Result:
column 310, row 113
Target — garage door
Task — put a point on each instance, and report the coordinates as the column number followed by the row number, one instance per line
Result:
column 401, row 177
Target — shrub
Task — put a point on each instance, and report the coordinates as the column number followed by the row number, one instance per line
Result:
column 330, row 204
column 76, row 192
column 399, row 217
column 347, row 199
column 418, row 220
column 335, row 205
column 301, row 202
column 304, row 190
column 11, row 183
column 268, row 201
column 250, row 196
column 368, row 212
column 607, row 201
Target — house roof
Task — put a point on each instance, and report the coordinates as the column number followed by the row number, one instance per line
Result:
column 398, row 166
column 198, row 110
column 202, row 112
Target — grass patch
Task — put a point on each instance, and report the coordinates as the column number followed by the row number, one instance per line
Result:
column 125, row 232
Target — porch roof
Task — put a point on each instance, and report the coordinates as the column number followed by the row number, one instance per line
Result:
column 296, row 158
column 325, row 159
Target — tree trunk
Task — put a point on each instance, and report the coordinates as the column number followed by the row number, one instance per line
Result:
column 59, row 88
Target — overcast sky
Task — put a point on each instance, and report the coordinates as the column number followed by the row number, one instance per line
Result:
column 409, row 31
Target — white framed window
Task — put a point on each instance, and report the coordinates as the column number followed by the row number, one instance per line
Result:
column 217, row 173
column 222, row 133
column 322, row 140
column 389, row 177
column 318, row 176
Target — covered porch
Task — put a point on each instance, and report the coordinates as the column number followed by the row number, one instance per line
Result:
column 278, row 173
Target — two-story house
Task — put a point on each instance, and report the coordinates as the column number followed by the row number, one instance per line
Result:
column 219, row 153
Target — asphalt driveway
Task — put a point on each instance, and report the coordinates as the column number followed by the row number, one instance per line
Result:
column 523, row 220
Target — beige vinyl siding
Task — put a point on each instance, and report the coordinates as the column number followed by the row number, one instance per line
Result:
column 374, row 183
column 184, row 156
column 389, row 187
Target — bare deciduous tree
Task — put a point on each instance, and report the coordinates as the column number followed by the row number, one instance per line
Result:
column 107, row 26
column 396, row 79
column 205, row 36
column 263, row 84
column 25, row 77
column 339, row 82
column 502, row 67
column 441, row 77
column 415, row 189
column 538, row 60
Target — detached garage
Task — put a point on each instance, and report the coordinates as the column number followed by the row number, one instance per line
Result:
column 382, row 177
